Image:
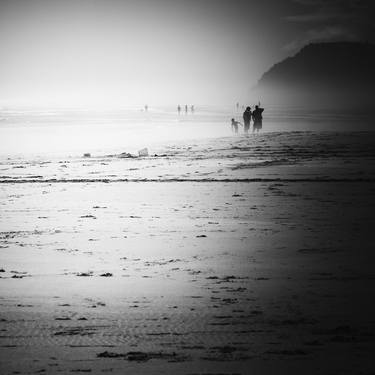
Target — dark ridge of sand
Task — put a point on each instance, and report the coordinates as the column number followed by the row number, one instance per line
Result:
column 204, row 180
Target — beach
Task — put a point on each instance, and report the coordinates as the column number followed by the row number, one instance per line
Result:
column 215, row 254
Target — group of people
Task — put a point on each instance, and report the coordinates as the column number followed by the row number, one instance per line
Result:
column 247, row 116
column 186, row 109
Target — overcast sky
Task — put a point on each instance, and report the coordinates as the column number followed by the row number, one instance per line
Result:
column 159, row 52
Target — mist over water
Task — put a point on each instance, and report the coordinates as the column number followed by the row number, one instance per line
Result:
column 26, row 132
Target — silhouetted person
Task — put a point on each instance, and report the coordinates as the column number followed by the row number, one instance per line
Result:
column 246, row 119
column 146, row 107
column 237, row 105
column 234, row 125
column 258, row 118
column 186, row 108
column 192, row 109
column 179, row 109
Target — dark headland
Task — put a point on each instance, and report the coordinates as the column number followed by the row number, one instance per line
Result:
column 323, row 75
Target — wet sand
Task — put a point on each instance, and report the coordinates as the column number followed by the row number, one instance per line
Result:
column 254, row 269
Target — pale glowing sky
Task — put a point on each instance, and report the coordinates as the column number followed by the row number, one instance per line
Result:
column 159, row 52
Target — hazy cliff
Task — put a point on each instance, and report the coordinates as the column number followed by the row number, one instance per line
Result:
column 323, row 74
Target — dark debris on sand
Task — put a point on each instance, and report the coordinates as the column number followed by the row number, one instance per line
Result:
column 85, row 274
column 145, row 356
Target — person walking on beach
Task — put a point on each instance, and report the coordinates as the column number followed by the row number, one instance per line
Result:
column 234, row 126
column 192, row 109
column 179, row 109
column 186, row 109
column 257, row 118
column 246, row 119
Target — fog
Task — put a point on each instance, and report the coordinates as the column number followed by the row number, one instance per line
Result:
column 114, row 52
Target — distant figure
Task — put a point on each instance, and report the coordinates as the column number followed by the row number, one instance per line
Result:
column 234, row 126
column 146, row 107
column 192, row 109
column 246, row 119
column 257, row 118
column 179, row 109
column 237, row 105
column 186, row 108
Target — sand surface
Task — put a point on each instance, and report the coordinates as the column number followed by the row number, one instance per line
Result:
column 231, row 255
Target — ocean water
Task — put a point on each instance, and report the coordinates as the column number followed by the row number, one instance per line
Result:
column 48, row 144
